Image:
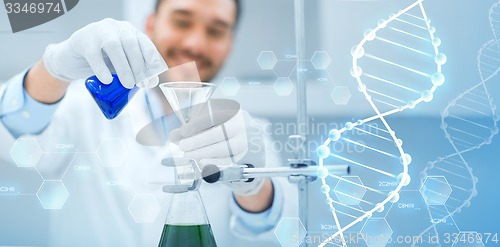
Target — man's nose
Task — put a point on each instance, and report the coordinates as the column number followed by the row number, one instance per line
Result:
column 196, row 41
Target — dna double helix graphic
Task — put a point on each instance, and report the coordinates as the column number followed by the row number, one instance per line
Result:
column 469, row 122
column 397, row 66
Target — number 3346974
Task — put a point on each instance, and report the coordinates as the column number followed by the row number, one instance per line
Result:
column 32, row 8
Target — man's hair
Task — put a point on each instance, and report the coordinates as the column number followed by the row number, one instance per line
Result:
column 236, row 2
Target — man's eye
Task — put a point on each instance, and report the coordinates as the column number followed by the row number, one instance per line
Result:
column 182, row 23
column 215, row 32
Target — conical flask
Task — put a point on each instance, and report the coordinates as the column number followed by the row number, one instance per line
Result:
column 187, row 223
column 111, row 98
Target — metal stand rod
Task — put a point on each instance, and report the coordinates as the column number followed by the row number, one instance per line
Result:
column 302, row 120
column 338, row 170
column 214, row 173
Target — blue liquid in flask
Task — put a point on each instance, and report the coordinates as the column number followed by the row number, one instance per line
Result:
column 111, row 98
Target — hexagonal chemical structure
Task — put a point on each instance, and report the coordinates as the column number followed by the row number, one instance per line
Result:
column 321, row 60
column 350, row 193
column 290, row 232
column 26, row 152
column 468, row 239
column 267, row 60
column 376, row 232
column 341, row 95
column 283, row 86
column 83, row 166
column 144, row 208
column 412, row 208
column 52, row 166
column 229, row 86
column 52, row 194
column 435, row 190
column 111, row 152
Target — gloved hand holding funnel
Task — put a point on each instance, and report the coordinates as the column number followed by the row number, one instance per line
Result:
column 213, row 131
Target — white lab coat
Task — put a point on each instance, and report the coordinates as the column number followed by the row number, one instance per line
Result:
column 97, row 211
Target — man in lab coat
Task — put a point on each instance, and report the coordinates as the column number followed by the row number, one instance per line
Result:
column 110, row 204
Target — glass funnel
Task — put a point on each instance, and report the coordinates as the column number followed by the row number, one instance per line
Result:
column 187, row 99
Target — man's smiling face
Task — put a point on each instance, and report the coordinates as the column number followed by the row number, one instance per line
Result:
column 194, row 30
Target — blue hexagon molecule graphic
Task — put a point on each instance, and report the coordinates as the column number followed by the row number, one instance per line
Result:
column 341, row 95
column 320, row 60
column 435, row 190
column 229, row 86
column 52, row 194
column 283, row 86
column 26, row 152
column 376, row 232
column 267, row 60
column 290, row 232
column 350, row 190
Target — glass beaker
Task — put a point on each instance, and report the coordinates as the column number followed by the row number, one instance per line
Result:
column 187, row 223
